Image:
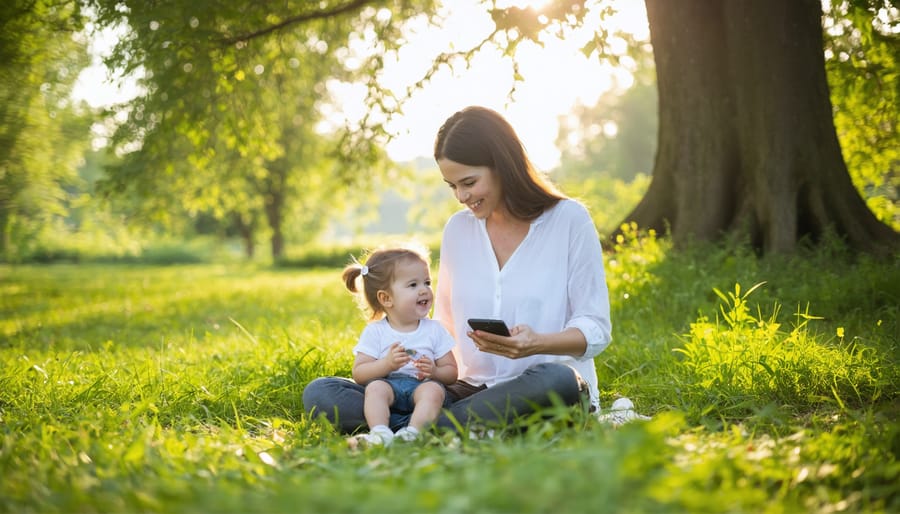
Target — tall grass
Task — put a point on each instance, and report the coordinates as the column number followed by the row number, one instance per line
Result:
column 744, row 359
column 177, row 389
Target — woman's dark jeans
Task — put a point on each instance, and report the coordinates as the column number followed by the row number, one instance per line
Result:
column 340, row 400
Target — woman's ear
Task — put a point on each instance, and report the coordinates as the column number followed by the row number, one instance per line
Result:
column 384, row 298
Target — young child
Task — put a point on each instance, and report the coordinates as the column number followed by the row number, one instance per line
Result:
column 403, row 357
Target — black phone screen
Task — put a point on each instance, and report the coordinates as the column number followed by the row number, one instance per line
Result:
column 494, row 326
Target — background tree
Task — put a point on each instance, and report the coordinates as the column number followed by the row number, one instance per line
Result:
column 862, row 57
column 617, row 135
column 607, row 149
column 42, row 135
column 229, row 122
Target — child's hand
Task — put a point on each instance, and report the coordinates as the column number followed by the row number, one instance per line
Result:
column 397, row 356
column 425, row 367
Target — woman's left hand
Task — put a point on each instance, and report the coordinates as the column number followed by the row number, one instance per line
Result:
column 522, row 342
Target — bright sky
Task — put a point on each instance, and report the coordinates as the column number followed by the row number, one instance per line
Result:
column 556, row 77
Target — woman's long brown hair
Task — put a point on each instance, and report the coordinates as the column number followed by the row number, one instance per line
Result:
column 478, row 136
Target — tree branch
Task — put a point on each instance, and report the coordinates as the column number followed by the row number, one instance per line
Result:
column 300, row 18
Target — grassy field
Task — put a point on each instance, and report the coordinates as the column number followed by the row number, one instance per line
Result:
column 178, row 389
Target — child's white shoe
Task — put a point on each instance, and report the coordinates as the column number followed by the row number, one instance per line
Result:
column 407, row 434
column 378, row 436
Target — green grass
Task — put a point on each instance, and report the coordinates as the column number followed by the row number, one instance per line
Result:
column 177, row 389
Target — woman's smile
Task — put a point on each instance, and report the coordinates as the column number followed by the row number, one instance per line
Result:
column 476, row 187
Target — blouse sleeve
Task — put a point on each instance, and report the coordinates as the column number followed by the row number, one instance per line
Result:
column 587, row 289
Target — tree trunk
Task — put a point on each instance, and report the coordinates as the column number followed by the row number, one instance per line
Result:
column 5, row 235
column 273, row 215
column 245, row 229
column 249, row 245
column 747, row 143
column 274, row 188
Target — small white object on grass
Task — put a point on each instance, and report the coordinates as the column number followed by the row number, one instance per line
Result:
column 622, row 404
column 621, row 412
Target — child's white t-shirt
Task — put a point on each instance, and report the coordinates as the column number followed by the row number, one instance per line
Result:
column 430, row 339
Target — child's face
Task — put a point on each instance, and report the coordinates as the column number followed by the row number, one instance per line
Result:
column 410, row 295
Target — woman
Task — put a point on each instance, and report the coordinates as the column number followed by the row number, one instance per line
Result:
column 521, row 252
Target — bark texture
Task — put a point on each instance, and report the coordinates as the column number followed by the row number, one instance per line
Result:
column 747, row 144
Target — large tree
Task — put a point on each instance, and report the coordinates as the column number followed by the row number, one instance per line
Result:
column 227, row 125
column 747, row 143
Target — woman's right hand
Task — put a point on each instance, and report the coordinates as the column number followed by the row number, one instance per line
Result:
column 522, row 342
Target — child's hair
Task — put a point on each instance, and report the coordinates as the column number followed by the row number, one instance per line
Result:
column 377, row 273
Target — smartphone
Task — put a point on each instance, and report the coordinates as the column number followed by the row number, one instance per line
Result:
column 494, row 326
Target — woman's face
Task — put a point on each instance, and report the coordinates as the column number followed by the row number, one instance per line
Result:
column 478, row 187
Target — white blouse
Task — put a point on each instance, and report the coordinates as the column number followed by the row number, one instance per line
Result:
column 553, row 280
